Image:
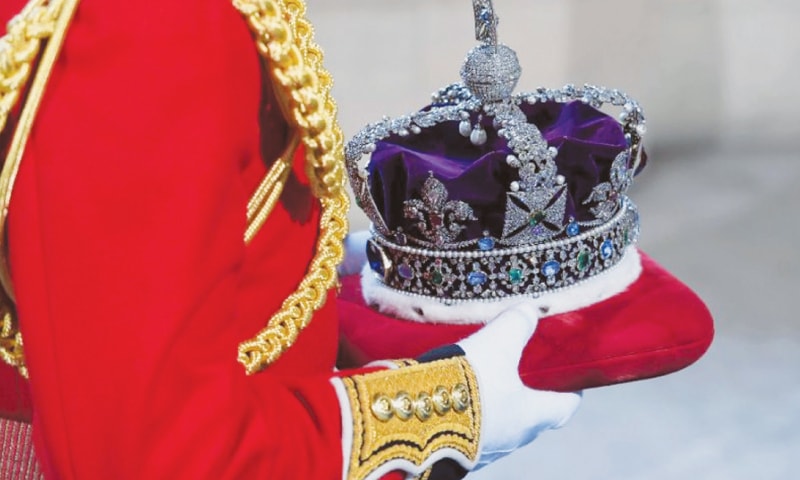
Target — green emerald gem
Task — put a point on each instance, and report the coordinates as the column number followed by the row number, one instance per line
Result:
column 583, row 260
column 437, row 277
column 626, row 236
column 515, row 275
column 536, row 218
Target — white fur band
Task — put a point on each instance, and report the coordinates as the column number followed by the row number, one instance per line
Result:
column 430, row 310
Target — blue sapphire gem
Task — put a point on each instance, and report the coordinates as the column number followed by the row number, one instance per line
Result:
column 607, row 249
column 400, row 238
column 486, row 243
column 476, row 278
column 573, row 229
column 375, row 257
column 405, row 271
column 551, row 268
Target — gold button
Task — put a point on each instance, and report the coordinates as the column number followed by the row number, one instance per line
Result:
column 460, row 397
column 382, row 407
column 403, row 406
column 442, row 402
column 423, row 406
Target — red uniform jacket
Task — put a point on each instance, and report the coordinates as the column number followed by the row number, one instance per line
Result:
column 134, row 286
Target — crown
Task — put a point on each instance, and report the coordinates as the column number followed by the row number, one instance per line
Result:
column 486, row 194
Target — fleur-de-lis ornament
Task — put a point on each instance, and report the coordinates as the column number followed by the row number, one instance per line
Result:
column 439, row 219
column 608, row 195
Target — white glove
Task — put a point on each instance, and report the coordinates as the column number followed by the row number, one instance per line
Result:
column 355, row 253
column 512, row 414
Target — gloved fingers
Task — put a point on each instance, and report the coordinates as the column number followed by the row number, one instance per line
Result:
column 512, row 414
column 513, row 419
column 550, row 410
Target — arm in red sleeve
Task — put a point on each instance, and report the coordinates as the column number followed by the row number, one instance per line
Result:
column 134, row 286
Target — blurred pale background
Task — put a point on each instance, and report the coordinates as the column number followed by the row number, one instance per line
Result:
column 720, row 84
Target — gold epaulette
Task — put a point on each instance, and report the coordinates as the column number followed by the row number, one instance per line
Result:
column 408, row 417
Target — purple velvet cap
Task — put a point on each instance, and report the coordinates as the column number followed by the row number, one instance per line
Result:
column 588, row 141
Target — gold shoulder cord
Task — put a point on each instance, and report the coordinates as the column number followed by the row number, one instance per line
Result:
column 38, row 22
column 284, row 37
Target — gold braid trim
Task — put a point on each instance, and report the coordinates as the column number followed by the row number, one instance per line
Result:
column 11, row 351
column 19, row 48
column 285, row 38
column 408, row 414
column 269, row 190
column 39, row 21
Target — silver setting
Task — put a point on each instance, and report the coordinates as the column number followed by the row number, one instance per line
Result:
column 607, row 195
column 455, row 276
column 491, row 72
column 534, row 216
column 485, row 21
column 438, row 219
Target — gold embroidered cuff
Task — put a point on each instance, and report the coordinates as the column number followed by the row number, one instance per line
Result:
column 412, row 413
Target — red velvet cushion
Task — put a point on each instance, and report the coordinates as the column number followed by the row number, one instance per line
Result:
column 656, row 327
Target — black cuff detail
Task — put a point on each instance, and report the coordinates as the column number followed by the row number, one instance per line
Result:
column 447, row 470
column 441, row 353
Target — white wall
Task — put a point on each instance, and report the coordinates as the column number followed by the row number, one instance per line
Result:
column 703, row 69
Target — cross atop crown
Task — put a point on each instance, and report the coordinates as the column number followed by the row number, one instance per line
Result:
column 485, row 22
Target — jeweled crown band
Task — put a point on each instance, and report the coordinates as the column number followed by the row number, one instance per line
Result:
column 454, row 276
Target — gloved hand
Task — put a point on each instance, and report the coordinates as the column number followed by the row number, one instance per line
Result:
column 513, row 415
column 355, row 253
column 388, row 425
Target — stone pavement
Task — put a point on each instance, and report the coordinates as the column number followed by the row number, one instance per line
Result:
column 723, row 217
